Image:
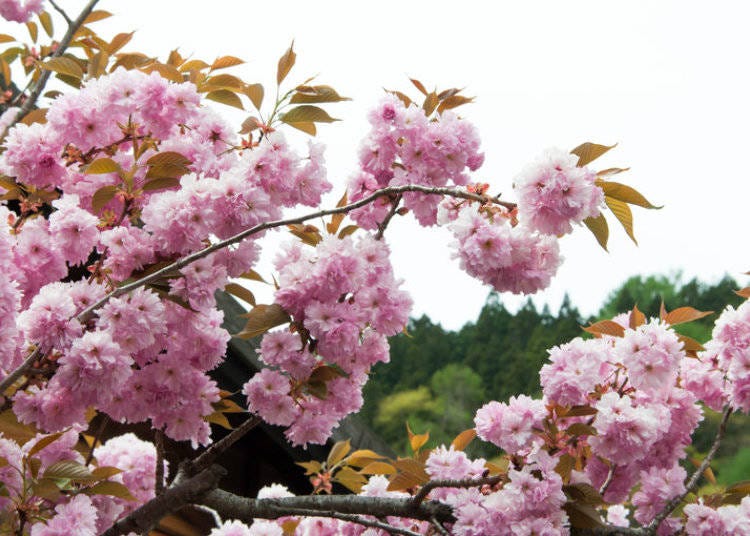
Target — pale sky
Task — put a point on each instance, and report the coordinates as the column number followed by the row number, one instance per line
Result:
column 668, row 81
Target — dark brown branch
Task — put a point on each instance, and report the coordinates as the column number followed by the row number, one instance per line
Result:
column 61, row 11
column 174, row 498
column 97, row 437
column 159, row 474
column 352, row 519
column 693, row 482
column 209, row 456
column 463, row 483
column 41, row 83
column 230, row 506
column 439, row 527
column 11, row 378
column 384, row 224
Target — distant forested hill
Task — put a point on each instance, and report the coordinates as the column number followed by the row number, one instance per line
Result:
column 437, row 379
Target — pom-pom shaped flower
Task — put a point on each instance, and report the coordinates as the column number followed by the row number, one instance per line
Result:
column 511, row 426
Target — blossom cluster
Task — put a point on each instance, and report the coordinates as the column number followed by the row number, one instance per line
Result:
column 344, row 302
column 20, row 10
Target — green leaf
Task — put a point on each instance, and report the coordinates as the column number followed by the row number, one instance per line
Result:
column 588, row 152
column 625, row 193
column 316, row 94
column 622, row 212
column 69, row 470
column 102, row 165
column 261, row 318
column 307, row 114
column 102, row 196
column 599, row 228
column 64, row 66
column 225, row 96
column 286, row 62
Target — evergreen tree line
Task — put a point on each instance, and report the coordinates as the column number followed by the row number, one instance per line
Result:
column 437, row 378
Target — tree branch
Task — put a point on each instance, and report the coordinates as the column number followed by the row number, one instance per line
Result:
column 463, row 483
column 61, row 11
column 30, row 102
column 209, row 456
column 353, row 519
column 174, row 498
column 230, row 506
column 389, row 216
column 693, row 482
column 11, row 378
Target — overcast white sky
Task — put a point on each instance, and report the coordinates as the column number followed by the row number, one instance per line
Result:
column 666, row 80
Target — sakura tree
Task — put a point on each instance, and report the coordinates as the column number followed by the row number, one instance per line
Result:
column 128, row 202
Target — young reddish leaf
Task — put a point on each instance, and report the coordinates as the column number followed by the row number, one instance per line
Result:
column 98, row 64
column 316, row 94
column 65, row 66
column 193, row 65
column 46, row 488
column 104, row 472
column 311, row 468
column 71, row 470
column 167, row 164
column 498, row 467
column 346, row 231
column 622, row 212
column 226, row 61
column 690, row 345
column 682, row 315
column 46, row 21
column 166, row 71
column 255, row 93
column 307, row 128
column 579, row 429
column 412, row 467
column 220, row 419
column 333, row 226
column 463, row 439
column 588, row 152
column 378, row 468
column 175, row 59
column 307, row 114
column 5, row 38
column 743, row 293
column 662, row 311
column 565, row 466
column 250, row 124
column 403, row 98
column 453, row 101
column 625, row 193
column 309, row 234
column 5, row 70
column 225, row 96
column 241, row 292
column 430, row 103
column 338, row 452
column 97, row 15
column 33, row 30
column 14, row 430
column 225, row 81
column 113, row 489
column 70, row 80
column 161, row 183
column 448, row 93
column 130, row 61
column 583, row 493
column 363, row 457
column 325, row 373
column 43, row 442
column 102, row 196
column 599, row 228
column 261, row 318
column 119, row 41
column 611, row 171
column 582, row 515
column 605, row 327
column 419, row 86
column 255, row 276
column 580, row 411
column 350, row 479
column 35, row 116
column 637, row 318
column 416, row 441
column 286, row 62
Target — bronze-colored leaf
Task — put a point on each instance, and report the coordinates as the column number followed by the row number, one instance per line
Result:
column 682, row 315
column 14, row 430
column 333, row 226
column 454, row 101
column 35, row 116
column 131, row 61
column 462, row 440
column 565, row 466
column 637, row 318
column 241, row 292
column 98, row 64
column 168, row 72
column 582, row 515
column 250, row 124
column 65, row 66
column 102, row 165
column 307, row 128
column 309, row 234
column 225, row 96
column 161, row 183
column 225, row 81
column 579, row 429
column 430, row 103
column 743, row 293
column 5, row 38
column 350, row 479
column 105, row 472
column 43, row 442
column 599, row 228
column 625, row 193
column 255, row 93
column 316, row 94
column 403, row 98
column 119, row 41
column 690, row 345
column 5, row 70
column 605, row 327
column 338, row 452
column 286, row 62
column 219, row 419
column 363, row 457
column 33, row 30
column 113, row 489
column 193, row 65
column 622, row 212
column 584, row 493
column 46, row 20
column 419, row 86
column 416, row 441
column 311, row 468
column 307, row 114
column 588, row 152
column 378, row 468
column 71, row 470
column 226, row 61
column 611, row 171
column 97, row 15
column 72, row 81
column 346, row 231
column 580, row 411
column 102, row 196
column 167, row 164
column 261, row 318
column 255, row 276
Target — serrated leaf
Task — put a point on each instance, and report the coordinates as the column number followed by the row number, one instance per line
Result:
column 622, row 212
column 588, row 152
column 113, row 489
column 130, row 61
column 167, row 164
column 241, row 292
column 46, row 20
column 12, row 429
column 261, row 318
column 168, row 72
column 579, row 429
column 43, row 442
column 72, row 81
column 338, row 452
column 5, row 38
column 97, row 15
column 105, row 471
column 193, row 65
column 625, row 193
column 175, row 58
column 316, row 94
column 102, row 165
column 69, row 470
column 255, row 93
column 637, row 318
column 98, row 64
column 119, row 41
column 605, row 327
column 378, row 468
column 102, row 196
column 599, row 228
column 582, row 516
column 225, row 96
column 463, row 439
column 453, row 101
column 584, row 493
column 350, row 479
column 225, row 80
column 307, row 114
column 690, row 345
column 286, row 62
column 161, row 183
column 311, row 468
column 325, row 373
column 419, row 86
column 307, row 128
column 565, row 466
column 226, row 61
column 309, row 234
column 64, row 66
column 682, row 315
column 430, row 103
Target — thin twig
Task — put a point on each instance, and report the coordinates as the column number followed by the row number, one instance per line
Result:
column 608, row 480
column 30, row 102
column 439, row 527
column 11, row 378
column 351, row 518
column 463, row 483
column 209, row 456
column 693, row 482
column 382, row 226
column 97, row 437
column 61, row 11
